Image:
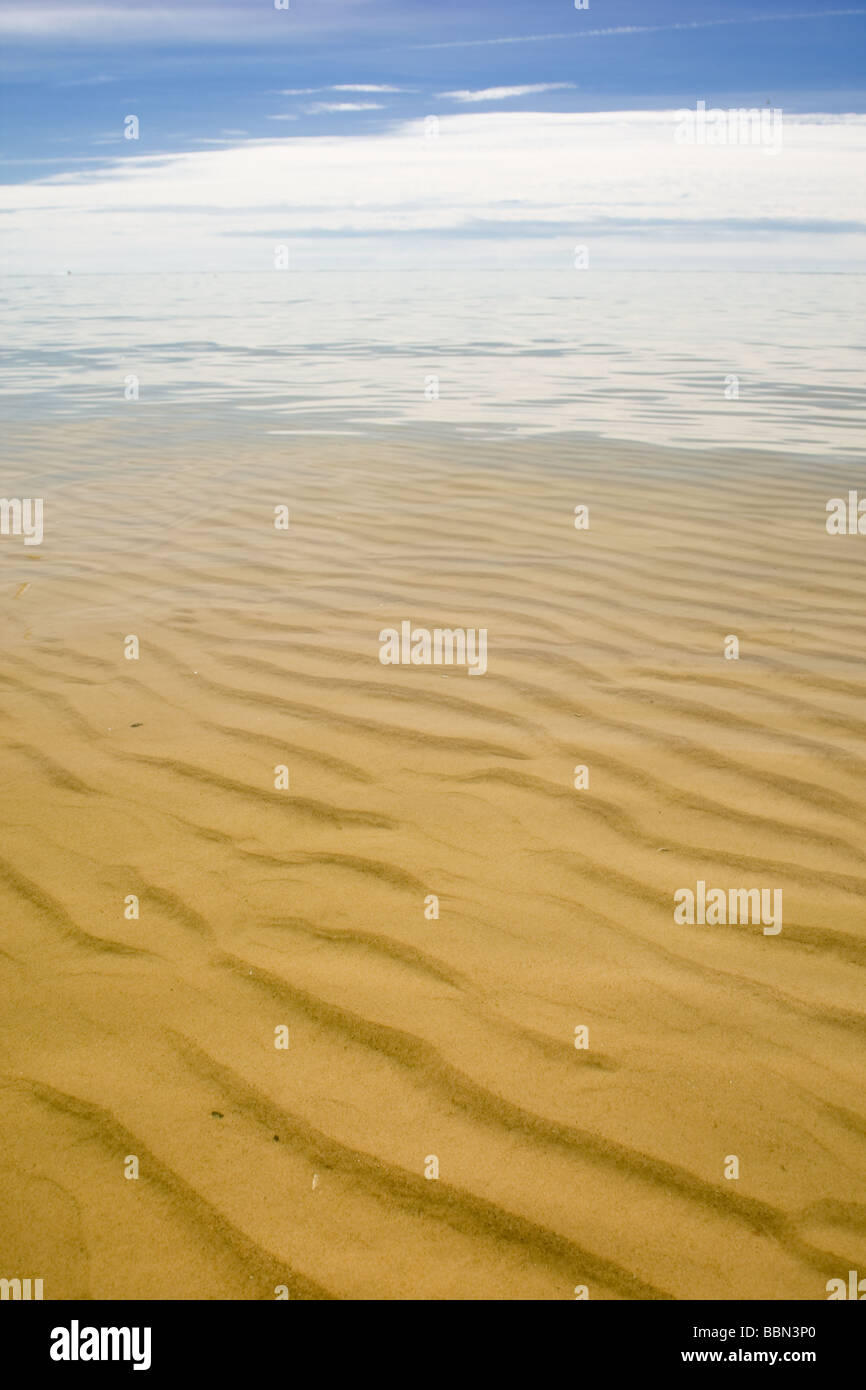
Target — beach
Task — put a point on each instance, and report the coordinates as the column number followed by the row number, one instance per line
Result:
column 244, row 822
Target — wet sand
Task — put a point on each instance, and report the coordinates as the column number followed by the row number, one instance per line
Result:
column 412, row 1037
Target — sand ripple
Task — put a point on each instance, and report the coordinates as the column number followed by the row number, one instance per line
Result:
column 412, row 1037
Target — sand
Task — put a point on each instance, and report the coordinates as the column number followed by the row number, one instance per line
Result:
column 410, row 1036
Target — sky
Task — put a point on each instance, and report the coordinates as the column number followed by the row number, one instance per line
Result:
column 402, row 132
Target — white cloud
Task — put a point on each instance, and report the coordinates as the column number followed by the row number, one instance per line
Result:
column 318, row 108
column 501, row 93
column 497, row 187
column 340, row 87
column 367, row 87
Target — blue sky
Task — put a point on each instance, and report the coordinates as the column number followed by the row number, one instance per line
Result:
column 309, row 126
column 193, row 71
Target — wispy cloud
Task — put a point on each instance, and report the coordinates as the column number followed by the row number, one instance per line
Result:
column 367, row 87
column 341, row 87
column 99, row 80
column 106, row 21
column 502, row 93
column 626, row 29
column 116, row 22
column 321, row 108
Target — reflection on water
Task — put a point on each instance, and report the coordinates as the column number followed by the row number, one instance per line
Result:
column 767, row 360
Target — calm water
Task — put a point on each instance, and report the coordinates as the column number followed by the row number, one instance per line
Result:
column 628, row 355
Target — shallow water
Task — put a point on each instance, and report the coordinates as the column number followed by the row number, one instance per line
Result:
column 638, row 356
column 146, row 777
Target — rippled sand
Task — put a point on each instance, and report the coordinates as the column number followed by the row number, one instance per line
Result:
column 411, row 1037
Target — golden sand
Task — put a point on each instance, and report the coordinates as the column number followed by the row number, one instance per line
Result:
column 410, row 1037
